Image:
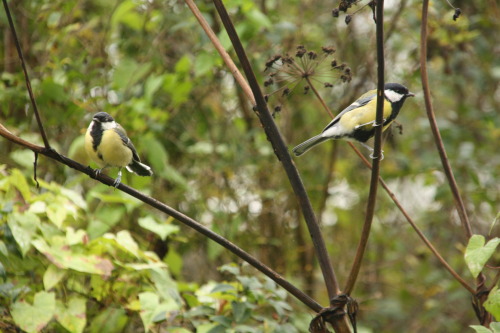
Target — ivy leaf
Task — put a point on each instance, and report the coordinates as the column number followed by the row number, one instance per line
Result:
column 161, row 229
column 73, row 317
column 477, row 253
column 33, row 318
column 492, row 304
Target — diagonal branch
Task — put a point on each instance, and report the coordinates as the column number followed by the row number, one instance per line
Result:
column 377, row 153
column 26, row 77
column 462, row 213
column 283, row 155
column 51, row 153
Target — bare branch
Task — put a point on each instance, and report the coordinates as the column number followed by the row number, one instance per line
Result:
column 26, row 77
column 51, row 153
column 283, row 155
column 377, row 152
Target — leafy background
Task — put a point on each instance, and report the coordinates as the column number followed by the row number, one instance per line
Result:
column 92, row 256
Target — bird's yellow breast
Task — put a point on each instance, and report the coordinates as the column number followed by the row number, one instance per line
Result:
column 110, row 152
column 364, row 115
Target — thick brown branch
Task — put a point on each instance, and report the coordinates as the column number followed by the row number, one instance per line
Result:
column 308, row 301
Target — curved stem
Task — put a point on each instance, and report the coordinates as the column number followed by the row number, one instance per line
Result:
column 377, row 152
column 26, row 77
column 462, row 213
column 283, row 155
column 319, row 97
column 416, row 228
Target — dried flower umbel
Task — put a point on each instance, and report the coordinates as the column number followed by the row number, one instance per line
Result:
column 306, row 68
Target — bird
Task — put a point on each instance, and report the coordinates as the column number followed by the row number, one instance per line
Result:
column 107, row 144
column 357, row 121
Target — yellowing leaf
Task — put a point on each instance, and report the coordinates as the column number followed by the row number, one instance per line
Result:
column 33, row 318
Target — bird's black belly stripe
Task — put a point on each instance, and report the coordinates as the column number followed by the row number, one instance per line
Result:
column 96, row 134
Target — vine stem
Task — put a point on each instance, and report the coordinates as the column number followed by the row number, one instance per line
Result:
column 319, row 97
column 415, row 227
column 222, row 52
column 377, row 152
column 481, row 288
column 462, row 213
column 26, row 76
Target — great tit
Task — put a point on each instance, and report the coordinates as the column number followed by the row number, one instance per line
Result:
column 106, row 143
column 357, row 121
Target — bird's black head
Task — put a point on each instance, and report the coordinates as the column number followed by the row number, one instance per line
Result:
column 396, row 92
column 103, row 117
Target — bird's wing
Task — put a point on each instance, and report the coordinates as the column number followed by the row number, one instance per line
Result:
column 362, row 101
column 126, row 141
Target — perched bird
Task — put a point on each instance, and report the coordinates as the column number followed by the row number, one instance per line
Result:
column 106, row 143
column 357, row 121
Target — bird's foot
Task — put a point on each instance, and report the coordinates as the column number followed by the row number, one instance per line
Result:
column 118, row 179
column 375, row 157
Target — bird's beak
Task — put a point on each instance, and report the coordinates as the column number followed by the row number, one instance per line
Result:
column 410, row 94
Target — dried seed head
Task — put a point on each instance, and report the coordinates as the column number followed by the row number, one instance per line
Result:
column 328, row 85
column 286, row 91
column 348, row 19
column 328, row 49
column 458, row 11
column 335, row 12
column 268, row 82
column 334, row 63
column 306, row 90
column 312, row 55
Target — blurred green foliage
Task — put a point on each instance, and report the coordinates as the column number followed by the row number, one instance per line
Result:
column 149, row 64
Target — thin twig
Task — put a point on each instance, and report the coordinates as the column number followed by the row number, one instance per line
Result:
column 224, row 55
column 319, row 97
column 283, row 155
column 415, row 227
column 481, row 288
column 26, row 77
column 377, row 153
column 462, row 213
column 308, row 301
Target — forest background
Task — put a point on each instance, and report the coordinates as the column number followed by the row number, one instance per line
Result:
column 76, row 246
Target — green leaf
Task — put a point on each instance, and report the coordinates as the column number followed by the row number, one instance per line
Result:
column 125, row 13
column 52, row 276
column 495, row 327
column 76, row 237
column 151, row 308
column 161, row 229
column 111, row 320
column 23, row 228
column 73, row 317
column 477, row 254
column 23, row 157
column 33, row 318
column 480, row 329
column 492, row 304
column 57, row 213
column 128, row 72
column 63, row 257
column 165, row 286
column 153, row 83
column 241, row 311
column 18, row 180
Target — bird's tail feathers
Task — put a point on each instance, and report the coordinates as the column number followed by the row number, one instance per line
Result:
column 306, row 145
column 139, row 168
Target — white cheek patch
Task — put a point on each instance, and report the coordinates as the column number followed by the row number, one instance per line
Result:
column 108, row 125
column 393, row 96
